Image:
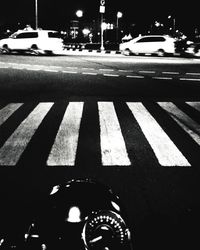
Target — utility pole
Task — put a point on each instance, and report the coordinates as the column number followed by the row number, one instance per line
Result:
column 36, row 14
column 102, row 11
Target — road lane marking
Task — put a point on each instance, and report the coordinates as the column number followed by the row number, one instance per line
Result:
column 55, row 67
column 8, row 110
column 11, row 151
column 58, row 69
column 32, row 69
column 184, row 121
column 113, row 149
column 112, row 75
column 65, row 145
column 165, row 150
column 88, row 68
column 130, row 76
column 69, row 67
column 89, row 73
column 106, row 69
column 194, row 74
column 147, row 71
column 51, row 70
column 162, row 78
column 189, row 79
column 125, row 70
column 170, row 72
column 69, row 72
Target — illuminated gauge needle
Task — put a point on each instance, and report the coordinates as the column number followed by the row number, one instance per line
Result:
column 95, row 239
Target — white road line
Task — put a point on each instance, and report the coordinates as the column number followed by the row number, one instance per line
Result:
column 162, row 78
column 68, row 67
column 64, row 148
column 89, row 73
column 194, row 74
column 88, row 69
column 7, row 111
column 195, row 105
column 17, row 67
column 189, row 79
column 5, row 67
column 184, row 121
column 113, row 75
column 33, row 69
column 165, row 150
column 147, row 71
column 37, row 65
column 113, row 149
column 55, row 67
column 130, row 76
column 170, row 73
column 11, row 151
column 124, row 70
column 106, row 69
column 51, row 70
column 69, row 72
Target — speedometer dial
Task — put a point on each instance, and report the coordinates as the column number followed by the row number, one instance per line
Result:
column 105, row 230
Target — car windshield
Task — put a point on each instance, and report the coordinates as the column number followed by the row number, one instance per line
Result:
column 13, row 35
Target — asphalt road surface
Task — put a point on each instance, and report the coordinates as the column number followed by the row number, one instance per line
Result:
column 132, row 123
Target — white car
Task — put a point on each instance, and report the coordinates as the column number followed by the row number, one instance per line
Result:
column 149, row 44
column 34, row 41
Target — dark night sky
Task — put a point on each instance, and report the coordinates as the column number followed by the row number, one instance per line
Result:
column 57, row 13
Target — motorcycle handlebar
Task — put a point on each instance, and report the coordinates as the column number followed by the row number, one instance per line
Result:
column 81, row 213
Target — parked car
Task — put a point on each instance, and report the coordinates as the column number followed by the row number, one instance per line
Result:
column 149, row 44
column 34, row 41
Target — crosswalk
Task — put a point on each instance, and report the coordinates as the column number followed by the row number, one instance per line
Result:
column 114, row 150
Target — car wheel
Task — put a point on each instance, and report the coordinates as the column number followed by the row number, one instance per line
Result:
column 34, row 49
column 160, row 52
column 5, row 49
column 126, row 52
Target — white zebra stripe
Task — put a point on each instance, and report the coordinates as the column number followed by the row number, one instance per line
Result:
column 64, row 148
column 195, row 105
column 113, row 149
column 7, row 111
column 165, row 150
column 184, row 121
column 11, row 151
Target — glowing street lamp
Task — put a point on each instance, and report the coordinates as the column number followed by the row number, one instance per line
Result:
column 79, row 13
column 103, row 26
column 86, row 32
column 119, row 15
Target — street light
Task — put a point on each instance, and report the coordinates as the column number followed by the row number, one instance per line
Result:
column 79, row 13
column 119, row 15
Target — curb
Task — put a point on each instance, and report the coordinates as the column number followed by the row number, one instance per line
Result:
column 97, row 51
